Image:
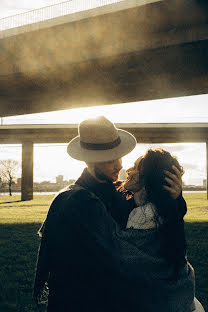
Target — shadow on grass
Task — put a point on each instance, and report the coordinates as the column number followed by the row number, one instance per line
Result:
column 11, row 201
column 18, row 253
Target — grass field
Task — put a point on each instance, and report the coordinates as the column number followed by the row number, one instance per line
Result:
column 19, row 222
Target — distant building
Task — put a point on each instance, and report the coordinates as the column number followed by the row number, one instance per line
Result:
column 19, row 181
column 60, row 179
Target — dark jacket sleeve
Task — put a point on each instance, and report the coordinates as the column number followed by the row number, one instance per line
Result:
column 182, row 207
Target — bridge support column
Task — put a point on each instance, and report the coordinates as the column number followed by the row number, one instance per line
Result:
column 207, row 165
column 27, row 171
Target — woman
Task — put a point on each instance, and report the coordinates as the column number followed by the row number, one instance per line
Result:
column 163, row 222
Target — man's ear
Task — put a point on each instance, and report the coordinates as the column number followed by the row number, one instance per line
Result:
column 90, row 165
column 91, row 168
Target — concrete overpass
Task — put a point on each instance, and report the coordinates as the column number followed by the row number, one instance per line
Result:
column 116, row 52
column 125, row 51
column 144, row 133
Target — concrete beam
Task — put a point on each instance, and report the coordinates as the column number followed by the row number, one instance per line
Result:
column 149, row 51
column 161, row 73
column 144, row 133
column 76, row 13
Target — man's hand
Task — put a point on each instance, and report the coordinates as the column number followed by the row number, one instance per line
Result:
column 174, row 181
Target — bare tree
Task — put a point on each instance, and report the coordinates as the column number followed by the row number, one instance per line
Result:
column 8, row 172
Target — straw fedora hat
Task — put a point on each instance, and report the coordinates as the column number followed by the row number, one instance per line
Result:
column 99, row 141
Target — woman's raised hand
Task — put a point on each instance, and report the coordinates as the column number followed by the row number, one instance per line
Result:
column 174, row 181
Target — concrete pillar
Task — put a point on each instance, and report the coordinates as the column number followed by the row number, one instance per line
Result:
column 207, row 165
column 27, row 170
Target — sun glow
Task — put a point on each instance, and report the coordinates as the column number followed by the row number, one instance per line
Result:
column 51, row 160
column 183, row 109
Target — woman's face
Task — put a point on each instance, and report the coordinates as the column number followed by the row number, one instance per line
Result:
column 132, row 182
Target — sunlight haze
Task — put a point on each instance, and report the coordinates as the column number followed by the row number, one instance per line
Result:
column 51, row 160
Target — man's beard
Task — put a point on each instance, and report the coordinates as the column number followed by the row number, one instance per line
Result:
column 101, row 176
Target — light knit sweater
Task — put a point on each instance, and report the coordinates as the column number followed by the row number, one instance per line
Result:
column 142, row 217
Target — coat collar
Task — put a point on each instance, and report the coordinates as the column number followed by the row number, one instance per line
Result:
column 87, row 181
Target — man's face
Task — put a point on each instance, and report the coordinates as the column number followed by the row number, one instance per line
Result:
column 109, row 170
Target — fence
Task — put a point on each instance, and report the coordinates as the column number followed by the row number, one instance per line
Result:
column 52, row 11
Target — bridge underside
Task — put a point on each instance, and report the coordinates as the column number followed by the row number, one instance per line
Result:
column 157, row 50
column 144, row 133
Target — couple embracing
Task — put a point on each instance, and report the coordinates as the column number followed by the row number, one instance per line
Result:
column 108, row 247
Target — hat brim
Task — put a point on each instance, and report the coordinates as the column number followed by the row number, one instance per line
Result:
column 128, row 143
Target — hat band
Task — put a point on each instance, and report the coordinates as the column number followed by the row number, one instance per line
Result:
column 102, row 146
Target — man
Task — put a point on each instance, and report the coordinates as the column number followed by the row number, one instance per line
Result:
column 84, row 259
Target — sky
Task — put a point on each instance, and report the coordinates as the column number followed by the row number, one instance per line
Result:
column 52, row 160
column 13, row 7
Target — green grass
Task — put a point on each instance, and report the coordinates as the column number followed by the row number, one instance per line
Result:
column 19, row 222
column 197, row 204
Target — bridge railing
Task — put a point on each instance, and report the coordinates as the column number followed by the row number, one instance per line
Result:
column 52, row 11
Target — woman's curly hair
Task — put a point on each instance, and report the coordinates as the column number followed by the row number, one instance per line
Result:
column 169, row 214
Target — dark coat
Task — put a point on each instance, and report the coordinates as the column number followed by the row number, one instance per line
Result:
column 89, row 262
